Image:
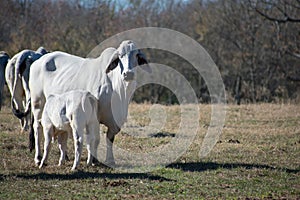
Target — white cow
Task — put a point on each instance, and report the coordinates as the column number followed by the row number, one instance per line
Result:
column 110, row 78
column 17, row 77
column 73, row 112
column 4, row 58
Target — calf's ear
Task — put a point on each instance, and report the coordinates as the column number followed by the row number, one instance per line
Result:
column 142, row 62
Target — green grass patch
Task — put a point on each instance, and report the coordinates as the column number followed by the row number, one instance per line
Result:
column 256, row 157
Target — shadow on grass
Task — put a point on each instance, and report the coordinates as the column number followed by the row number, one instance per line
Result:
column 204, row 166
column 185, row 167
column 87, row 175
column 162, row 135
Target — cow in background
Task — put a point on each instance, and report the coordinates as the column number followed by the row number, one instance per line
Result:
column 4, row 58
column 17, row 79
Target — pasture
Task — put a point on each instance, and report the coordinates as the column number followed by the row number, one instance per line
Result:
column 256, row 157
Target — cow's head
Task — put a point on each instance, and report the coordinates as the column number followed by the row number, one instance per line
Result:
column 130, row 58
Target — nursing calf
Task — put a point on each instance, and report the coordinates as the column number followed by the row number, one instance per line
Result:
column 71, row 112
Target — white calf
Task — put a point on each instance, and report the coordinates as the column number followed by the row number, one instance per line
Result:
column 71, row 111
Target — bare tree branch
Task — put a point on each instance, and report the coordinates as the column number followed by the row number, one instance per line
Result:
column 294, row 78
column 297, row 55
column 284, row 20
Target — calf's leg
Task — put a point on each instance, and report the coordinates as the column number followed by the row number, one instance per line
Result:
column 62, row 144
column 78, row 140
column 93, row 140
column 48, row 131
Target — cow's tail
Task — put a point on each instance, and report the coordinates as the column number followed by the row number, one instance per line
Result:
column 19, row 68
column 31, row 135
column 1, row 92
column 2, row 75
column 19, row 114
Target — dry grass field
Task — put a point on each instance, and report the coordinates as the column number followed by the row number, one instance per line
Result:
column 256, row 157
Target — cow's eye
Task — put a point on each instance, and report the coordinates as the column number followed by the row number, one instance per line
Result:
column 122, row 55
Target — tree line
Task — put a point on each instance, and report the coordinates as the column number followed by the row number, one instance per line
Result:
column 255, row 44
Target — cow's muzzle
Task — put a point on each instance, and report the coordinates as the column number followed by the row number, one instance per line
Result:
column 128, row 76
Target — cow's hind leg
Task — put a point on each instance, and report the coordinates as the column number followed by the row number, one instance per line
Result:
column 37, row 128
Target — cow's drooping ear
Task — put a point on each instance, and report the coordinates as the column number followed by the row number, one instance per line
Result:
column 113, row 62
column 141, row 58
column 142, row 61
column 112, row 65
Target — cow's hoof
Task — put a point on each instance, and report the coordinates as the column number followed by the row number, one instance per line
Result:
column 95, row 162
column 38, row 161
column 67, row 158
column 110, row 163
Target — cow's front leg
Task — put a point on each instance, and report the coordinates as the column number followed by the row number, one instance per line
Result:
column 110, row 160
column 25, row 123
column 22, row 124
column 110, row 137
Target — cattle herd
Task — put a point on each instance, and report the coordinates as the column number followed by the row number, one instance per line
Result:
column 56, row 94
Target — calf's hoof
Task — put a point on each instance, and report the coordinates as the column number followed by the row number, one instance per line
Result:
column 42, row 165
column 73, row 168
